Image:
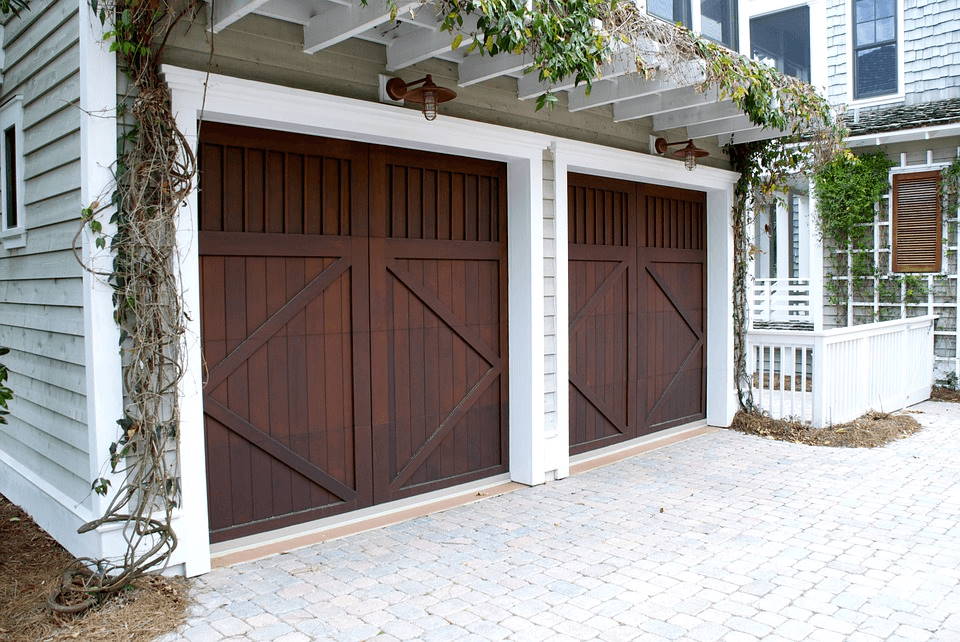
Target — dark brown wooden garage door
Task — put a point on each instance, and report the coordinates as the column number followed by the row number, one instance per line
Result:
column 637, row 309
column 354, row 324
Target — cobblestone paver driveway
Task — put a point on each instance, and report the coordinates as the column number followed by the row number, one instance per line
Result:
column 722, row 537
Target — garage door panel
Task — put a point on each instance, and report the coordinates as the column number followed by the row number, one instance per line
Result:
column 600, row 361
column 355, row 354
column 279, row 383
column 636, row 259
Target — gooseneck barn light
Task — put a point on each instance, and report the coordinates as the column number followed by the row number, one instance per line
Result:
column 427, row 94
column 690, row 153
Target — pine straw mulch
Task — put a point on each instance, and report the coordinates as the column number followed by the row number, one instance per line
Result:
column 30, row 560
column 939, row 393
column 869, row 431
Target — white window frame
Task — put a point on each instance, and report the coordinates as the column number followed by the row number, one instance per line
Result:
column 818, row 38
column 696, row 20
column 11, row 115
column 850, row 56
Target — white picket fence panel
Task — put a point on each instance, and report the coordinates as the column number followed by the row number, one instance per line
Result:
column 833, row 376
column 781, row 301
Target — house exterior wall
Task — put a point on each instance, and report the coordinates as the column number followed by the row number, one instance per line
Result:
column 882, row 298
column 41, row 284
column 930, row 50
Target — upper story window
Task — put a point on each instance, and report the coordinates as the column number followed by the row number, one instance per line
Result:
column 12, row 224
column 782, row 40
column 874, row 48
column 671, row 10
column 718, row 21
column 718, row 18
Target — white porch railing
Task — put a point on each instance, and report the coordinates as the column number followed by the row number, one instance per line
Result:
column 833, row 376
column 781, row 301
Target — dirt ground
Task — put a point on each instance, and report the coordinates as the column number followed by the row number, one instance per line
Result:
column 869, row 431
column 30, row 560
column 940, row 393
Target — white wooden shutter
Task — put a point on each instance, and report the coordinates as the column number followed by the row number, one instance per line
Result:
column 917, row 225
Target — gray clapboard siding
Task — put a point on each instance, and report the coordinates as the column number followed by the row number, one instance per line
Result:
column 68, row 376
column 41, row 318
column 549, row 296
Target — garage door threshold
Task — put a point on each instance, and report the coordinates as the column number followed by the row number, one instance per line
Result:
column 612, row 454
column 282, row 540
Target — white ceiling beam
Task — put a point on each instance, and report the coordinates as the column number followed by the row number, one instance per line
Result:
column 421, row 46
column 480, row 67
column 720, row 127
column 605, row 92
column 425, row 16
column 631, row 86
column 288, row 10
column 226, row 12
column 662, row 102
column 530, row 86
column 751, row 135
column 695, row 115
column 340, row 23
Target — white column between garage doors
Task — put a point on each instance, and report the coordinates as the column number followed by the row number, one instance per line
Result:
column 232, row 100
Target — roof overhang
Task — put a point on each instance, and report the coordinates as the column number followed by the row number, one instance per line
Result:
column 414, row 36
column 905, row 135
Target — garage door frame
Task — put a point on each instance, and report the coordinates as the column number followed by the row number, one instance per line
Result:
column 242, row 102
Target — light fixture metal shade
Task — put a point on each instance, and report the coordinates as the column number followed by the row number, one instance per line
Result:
column 689, row 154
column 428, row 94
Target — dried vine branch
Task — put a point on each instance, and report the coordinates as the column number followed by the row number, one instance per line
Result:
column 155, row 172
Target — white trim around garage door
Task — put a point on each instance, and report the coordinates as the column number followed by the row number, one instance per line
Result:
column 585, row 158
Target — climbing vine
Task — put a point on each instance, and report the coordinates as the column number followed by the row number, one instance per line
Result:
column 6, row 394
column 155, row 172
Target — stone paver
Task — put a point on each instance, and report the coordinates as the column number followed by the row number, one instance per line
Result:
column 722, row 537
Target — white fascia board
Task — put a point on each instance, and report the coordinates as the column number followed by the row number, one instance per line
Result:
column 663, row 102
column 260, row 104
column 695, row 115
column 343, row 22
column 904, row 135
column 424, row 45
column 226, row 12
column 598, row 160
column 479, row 67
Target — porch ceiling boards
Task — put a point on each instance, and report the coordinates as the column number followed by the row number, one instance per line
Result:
column 415, row 36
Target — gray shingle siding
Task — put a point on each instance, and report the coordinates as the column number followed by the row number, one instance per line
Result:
column 931, row 50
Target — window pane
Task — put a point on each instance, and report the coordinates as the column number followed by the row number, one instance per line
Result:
column 718, row 21
column 670, row 10
column 886, row 29
column 865, row 34
column 876, row 71
column 782, row 40
column 10, row 179
column 885, row 8
column 864, row 10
